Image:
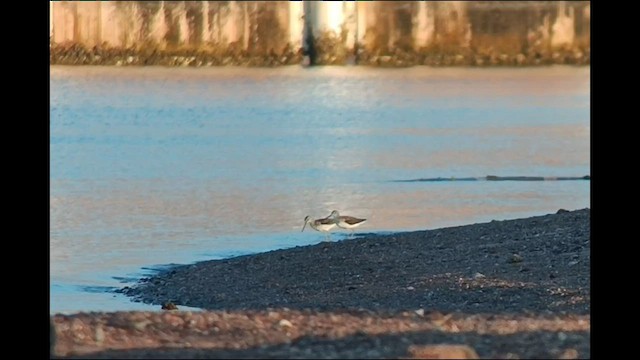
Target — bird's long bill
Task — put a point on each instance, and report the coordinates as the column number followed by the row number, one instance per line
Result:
column 303, row 226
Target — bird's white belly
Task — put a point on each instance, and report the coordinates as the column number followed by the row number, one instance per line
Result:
column 323, row 227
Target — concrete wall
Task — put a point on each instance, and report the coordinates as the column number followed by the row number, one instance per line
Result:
column 395, row 33
column 172, row 24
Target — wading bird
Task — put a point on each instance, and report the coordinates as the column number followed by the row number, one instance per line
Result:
column 324, row 225
column 345, row 221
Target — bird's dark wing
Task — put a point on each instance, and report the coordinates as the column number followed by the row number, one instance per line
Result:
column 352, row 220
column 325, row 221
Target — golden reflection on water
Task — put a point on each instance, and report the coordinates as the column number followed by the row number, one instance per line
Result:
column 180, row 216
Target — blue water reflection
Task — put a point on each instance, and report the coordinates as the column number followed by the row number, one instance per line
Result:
column 163, row 165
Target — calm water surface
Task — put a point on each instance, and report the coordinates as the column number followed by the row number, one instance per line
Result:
column 154, row 166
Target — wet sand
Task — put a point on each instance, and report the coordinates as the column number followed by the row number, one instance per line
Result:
column 502, row 289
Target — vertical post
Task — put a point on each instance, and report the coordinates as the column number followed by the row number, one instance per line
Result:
column 98, row 34
column 308, row 48
column 76, row 25
column 296, row 24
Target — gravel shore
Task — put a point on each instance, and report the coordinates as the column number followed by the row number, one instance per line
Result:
column 514, row 288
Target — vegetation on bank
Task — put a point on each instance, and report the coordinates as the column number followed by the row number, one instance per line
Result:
column 327, row 51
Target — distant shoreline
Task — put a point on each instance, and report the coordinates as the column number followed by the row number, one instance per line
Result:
column 77, row 54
